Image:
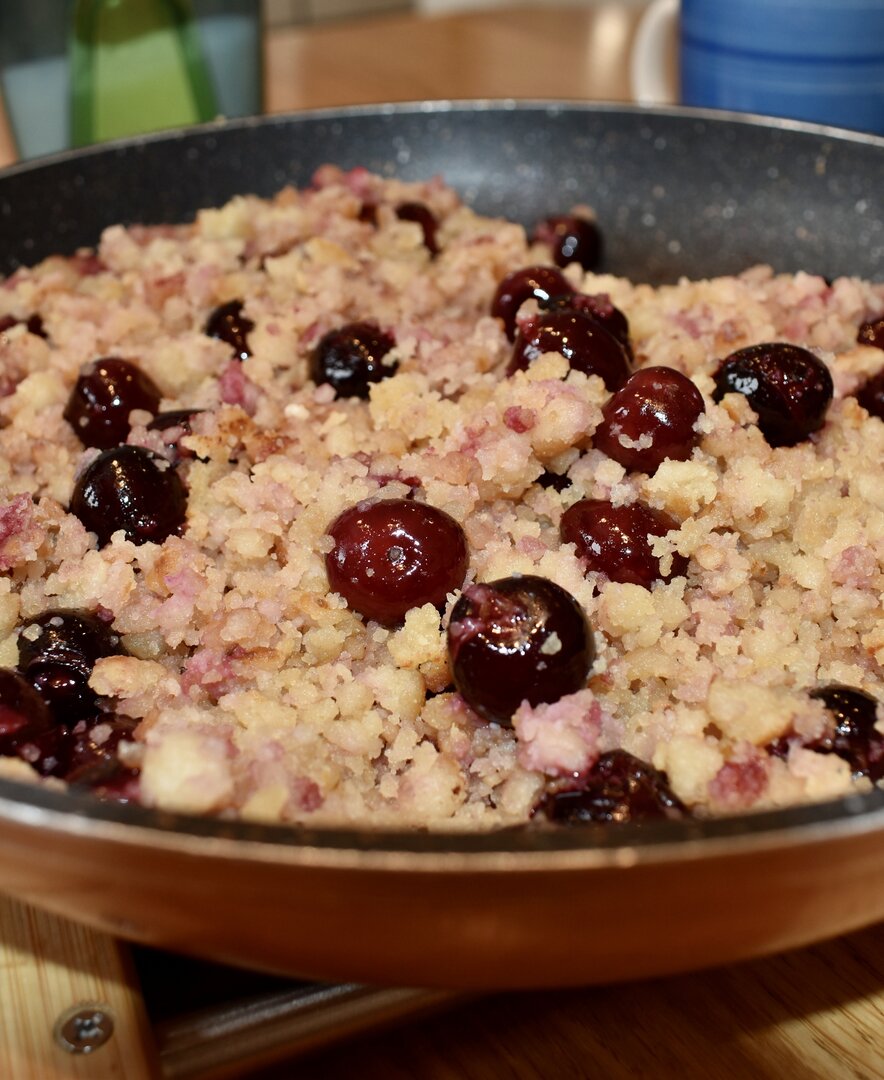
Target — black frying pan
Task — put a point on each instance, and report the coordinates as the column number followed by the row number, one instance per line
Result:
column 677, row 193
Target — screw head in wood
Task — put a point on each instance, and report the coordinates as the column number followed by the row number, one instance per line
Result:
column 83, row 1028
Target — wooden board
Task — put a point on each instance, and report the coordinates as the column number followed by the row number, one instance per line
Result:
column 49, row 966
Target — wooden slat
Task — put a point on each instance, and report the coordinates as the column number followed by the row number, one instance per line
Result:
column 47, row 966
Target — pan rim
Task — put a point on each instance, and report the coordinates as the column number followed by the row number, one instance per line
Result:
column 580, row 847
column 444, row 106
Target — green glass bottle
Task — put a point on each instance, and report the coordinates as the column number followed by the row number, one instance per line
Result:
column 136, row 66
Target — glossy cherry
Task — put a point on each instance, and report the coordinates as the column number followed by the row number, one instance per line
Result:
column 33, row 324
column 556, row 481
column 229, row 324
column 620, row 788
column 599, row 307
column 854, row 736
column 350, row 359
column 541, row 283
column 613, row 540
column 103, row 396
column 393, row 555
column 656, row 412
column 789, row 388
column 175, row 425
column 132, row 489
column 872, row 333
column 57, row 652
column 871, row 395
column 423, row 216
column 521, row 638
column 581, row 339
column 64, row 688
column 24, row 716
column 570, row 239
column 71, row 636
column 47, row 751
column 92, row 760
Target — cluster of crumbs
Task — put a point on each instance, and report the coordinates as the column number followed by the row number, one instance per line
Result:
column 354, row 507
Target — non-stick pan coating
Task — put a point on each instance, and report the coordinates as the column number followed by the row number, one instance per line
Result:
column 677, row 192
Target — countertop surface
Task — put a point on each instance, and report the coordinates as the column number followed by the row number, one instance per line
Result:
column 815, row 1013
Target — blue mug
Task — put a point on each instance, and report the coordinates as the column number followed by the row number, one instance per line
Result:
column 818, row 60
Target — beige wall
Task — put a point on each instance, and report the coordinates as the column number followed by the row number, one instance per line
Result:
column 279, row 12
column 465, row 5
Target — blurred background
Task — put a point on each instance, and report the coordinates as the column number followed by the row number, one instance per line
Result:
column 76, row 72
column 280, row 12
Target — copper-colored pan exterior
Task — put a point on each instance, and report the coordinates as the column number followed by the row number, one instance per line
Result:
column 514, row 910
column 521, row 908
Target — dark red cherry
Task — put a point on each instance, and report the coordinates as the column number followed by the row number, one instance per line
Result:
column 173, row 418
column 24, row 715
column 570, row 239
column 613, row 540
column 582, row 340
column 92, row 762
column 47, row 751
column 415, row 211
column 518, row 639
column 177, row 423
column 656, row 412
column 132, row 489
column 620, row 788
column 788, row 387
column 91, row 758
column 600, row 308
column 228, row 323
column 393, row 555
column 556, row 481
column 34, row 324
column 64, row 688
column 871, row 395
column 855, row 737
column 102, row 398
column 350, row 359
column 73, row 637
column 57, row 652
column 779, row 747
column 123, row 785
column 540, row 283
column 872, row 333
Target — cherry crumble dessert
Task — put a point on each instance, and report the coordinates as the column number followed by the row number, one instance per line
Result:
column 353, row 507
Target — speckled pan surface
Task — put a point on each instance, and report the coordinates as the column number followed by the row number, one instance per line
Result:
column 677, row 193
column 680, row 192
